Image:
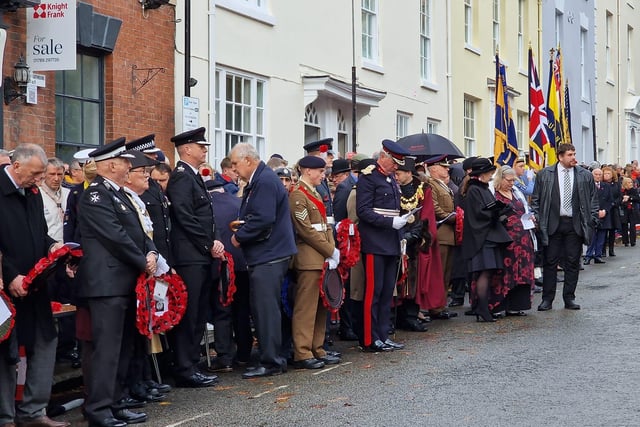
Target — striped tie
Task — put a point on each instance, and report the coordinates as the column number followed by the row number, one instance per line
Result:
column 566, row 201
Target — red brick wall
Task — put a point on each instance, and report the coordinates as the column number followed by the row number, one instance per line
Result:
column 144, row 42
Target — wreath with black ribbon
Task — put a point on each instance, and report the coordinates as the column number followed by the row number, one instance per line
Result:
column 348, row 239
column 47, row 265
column 151, row 319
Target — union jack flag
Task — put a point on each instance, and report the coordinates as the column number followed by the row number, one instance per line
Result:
column 538, row 123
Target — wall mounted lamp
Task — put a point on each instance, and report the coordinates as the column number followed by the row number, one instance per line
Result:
column 15, row 87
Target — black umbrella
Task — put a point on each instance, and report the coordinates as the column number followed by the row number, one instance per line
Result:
column 425, row 145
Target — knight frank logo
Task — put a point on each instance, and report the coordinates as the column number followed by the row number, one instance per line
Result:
column 50, row 10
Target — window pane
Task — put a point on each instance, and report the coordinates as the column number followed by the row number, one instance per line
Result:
column 91, row 123
column 259, row 122
column 72, row 116
column 237, row 120
column 246, row 96
column 73, row 82
column 217, row 115
column 229, row 118
column 229, row 88
column 246, row 119
column 90, row 75
column 237, row 87
column 259, row 94
column 59, row 116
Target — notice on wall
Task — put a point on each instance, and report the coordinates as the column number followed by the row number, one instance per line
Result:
column 190, row 112
column 50, row 44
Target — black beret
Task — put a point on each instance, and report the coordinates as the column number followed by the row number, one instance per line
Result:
column 112, row 150
column 194, row 135
column 145, row 144
column 312, row 162
column 340, row 165
column 317, row 145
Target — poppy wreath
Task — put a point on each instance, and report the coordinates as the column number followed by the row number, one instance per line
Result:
column 459, row 225
column 323, row 295
column 147, row 321
column 348, row 245
column 7, row 327
column 64, row 254
column 231, row 274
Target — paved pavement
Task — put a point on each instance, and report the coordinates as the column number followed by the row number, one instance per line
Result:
column 556, row 368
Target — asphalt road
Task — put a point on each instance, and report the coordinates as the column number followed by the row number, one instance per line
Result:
column 556, row 368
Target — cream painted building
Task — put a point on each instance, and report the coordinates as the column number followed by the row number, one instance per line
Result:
column 277, row 73
column 617, row 82
column 478, row 28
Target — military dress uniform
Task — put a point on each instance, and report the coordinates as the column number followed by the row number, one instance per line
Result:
column 315, row 243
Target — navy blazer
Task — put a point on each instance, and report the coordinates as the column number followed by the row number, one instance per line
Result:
column 340, row 198
column 114, row 243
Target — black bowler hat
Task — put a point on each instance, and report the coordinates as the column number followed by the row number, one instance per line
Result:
column 191, row 136
column 409, row 165
column 481, row 165
column 283, row 172
column 466, row 163
column 112, row 150
column 146, row 144
column 139, row 160
column 340, row 165
column 395, row 150
column 322, row 145
column 312, row 162
column 438, row 160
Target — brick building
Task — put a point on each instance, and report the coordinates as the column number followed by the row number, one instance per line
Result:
column 123, row 84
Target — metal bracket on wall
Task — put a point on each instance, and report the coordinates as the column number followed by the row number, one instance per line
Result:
column 139, row 79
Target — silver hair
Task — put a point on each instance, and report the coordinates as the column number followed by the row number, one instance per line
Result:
column 245, row 150
column 5, row 152
column 55, row 162
column 26, row 151
column 501, row 172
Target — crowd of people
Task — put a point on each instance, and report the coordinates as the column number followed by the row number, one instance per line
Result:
column 408, row 237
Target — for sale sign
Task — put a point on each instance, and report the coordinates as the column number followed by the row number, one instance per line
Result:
column 51, row 36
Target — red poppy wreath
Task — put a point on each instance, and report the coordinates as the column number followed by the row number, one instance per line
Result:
column 152, row 319
column 68, row 254
column 7, row 326
column 348, row 238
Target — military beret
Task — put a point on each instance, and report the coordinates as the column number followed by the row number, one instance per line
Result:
column 395, row 150
column 312, row 162
column 323, row 145
column 112, row 150
column 146, row 144
column 340, row 165
column 191, row 136
column 437, row 160
column 283, row 172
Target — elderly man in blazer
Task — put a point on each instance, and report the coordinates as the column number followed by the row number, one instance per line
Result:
column 565, row 205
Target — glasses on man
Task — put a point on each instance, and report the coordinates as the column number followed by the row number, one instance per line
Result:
column 144, row 171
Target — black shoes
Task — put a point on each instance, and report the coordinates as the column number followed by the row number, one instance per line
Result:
column 587, row 261
column 262, row 371
column 456, row 302
column 129, row 403
column 107, row 422
column 545, row 305
column 378, row 346
column 162, row 388
column 394, row 344
column 130, row 417
column 443, row 315
column 218, row 365
column 598, row 261
column 414, row 325
column 311, row 363
column 571, row 305
column 347, row 335
column 515, row 313
column 329, row 359
column 196, row 380
column 141, row 392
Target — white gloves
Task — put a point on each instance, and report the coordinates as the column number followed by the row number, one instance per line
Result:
column 399, row 222
column 334, row 259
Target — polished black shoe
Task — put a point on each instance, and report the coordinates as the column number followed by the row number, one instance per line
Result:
column 443, row 315
column 194, row 381
column 162, row 388
column 378, row 346
column 545, row 305
column 571, row 305
column 456, row 302
column 537, row 289
column 394, row 344
column 347, row 335
column 107, row 422
column 130, row 417
column 213, row 378
column 141, row 392
column 311, row 363
column 330, row 360
column 333, row 353
column 598, row 261
column 515, row 313
column 261, row 371
column 218, row 365
column 587, row 261
column 129, row 403
column 414, row 326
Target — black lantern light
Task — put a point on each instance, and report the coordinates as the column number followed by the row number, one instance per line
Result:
column 15, row 87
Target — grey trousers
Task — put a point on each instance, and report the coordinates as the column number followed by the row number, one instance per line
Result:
column 37, row 390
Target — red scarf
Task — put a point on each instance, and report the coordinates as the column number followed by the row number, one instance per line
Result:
column 315, row 201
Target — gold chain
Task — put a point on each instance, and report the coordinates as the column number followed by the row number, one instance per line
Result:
column 410, row 203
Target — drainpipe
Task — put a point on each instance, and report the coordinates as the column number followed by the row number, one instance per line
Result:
column 449, row 83
column 218, row 151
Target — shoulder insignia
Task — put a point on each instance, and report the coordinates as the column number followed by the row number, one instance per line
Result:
column 368, row 170
column 302, row 215
column 93, row 184
column 180, row 168
column 94, row 197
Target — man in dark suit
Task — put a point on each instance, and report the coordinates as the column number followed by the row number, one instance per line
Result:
column 23, row 241
column 116, row 251
column 195, row 244
column 565, row 205
column 266, row 239
column 605, row 203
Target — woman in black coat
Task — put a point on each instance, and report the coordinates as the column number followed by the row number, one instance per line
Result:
column 484, row 235
column 610, row 177
column 628, row 203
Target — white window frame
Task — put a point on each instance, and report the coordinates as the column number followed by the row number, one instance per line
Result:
column 496, row 25
column 426, row 6
column 468, row 22
column 469, row 127
column 630, row 76
column 522, row 130
column 433, row 126
column 584, row 82
column 607, row 46
column 369, row 13
column 253, row 113
column 521, row 24
column 402, row 124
